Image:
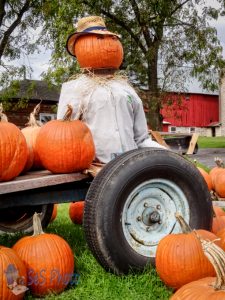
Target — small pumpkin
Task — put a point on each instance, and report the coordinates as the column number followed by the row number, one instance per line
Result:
column 54, row 212
column 219, row 212
column 180, row 259
column 76, row 211
column 48, row 258
column 13, row 275
column 95, row 51
column 207, row 288
column 216, row 170
column 219, row 184
column 30, row 132
column 65, row 146
column 207, row 178
column 218, row 224
column 13, row 149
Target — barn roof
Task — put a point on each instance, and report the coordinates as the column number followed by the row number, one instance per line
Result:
column 33, row 89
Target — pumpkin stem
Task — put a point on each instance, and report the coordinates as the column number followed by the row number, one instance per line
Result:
column 37, row 227
column 68, row 114
column 32, row 120
column 219, row 162
column 3, row 117
column 183, row 224
column 216, row 256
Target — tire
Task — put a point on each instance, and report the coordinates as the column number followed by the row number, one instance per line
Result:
column 20, row 219
column 131, row 205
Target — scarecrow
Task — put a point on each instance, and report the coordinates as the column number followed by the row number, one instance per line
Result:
column 100, row 96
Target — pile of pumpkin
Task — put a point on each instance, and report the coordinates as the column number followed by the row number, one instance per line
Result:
column 60, row 146
column 193, row 262
column 215, row 179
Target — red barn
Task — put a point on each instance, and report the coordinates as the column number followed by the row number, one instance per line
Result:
column 191, row 112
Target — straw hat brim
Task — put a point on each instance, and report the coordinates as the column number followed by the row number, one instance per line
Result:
column 73, row 37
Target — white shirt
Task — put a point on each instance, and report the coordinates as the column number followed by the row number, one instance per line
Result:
column 111, row 109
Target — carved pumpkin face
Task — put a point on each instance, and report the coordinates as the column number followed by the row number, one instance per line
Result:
column 99, row 51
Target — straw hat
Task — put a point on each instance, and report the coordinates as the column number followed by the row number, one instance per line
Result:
column 87, row 25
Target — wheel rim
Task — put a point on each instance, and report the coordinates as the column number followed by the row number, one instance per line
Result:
column 149, row 214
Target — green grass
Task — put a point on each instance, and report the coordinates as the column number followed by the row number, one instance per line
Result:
column 94, row 282
column 211, row 142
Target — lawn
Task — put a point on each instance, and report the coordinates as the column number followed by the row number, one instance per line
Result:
column 94, row 282
column 211, row 142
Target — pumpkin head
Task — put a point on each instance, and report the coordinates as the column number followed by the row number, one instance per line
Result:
column 76, row 211
column 65, row 146
column 12, row 273
column 13, row 149
column 30, row 132
column 48, row 258
column 97, row 51
column 180, row 259
column 210, row 287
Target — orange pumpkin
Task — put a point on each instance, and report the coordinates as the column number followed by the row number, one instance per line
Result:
column 207, row 177
column 76, row 211
column 12, row 273
column 99, row 51
column 221, row 236
column 180, row 259
column 30, row 132
column 219, row 212
column 216, row 170
column 48, row 258
column 65, row 146
column 13, row 149
column 218, row 224
column 210, row 287
column 219, row 184
column 54, row 212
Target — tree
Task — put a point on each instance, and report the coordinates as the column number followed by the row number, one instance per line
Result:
column 160, row 38
column 18, row 23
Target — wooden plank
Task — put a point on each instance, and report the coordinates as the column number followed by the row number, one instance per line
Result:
column 157, row 136
column 38, row 179
column 192, row 144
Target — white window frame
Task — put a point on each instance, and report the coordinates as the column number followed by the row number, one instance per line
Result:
column 173, row 129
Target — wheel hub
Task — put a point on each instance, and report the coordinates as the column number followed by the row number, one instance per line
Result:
column 149, row 214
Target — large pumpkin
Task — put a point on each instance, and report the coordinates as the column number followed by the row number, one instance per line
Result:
column 99, row 51
column 30, row 132
column 48, row 258
column 216, row 170
column 65, row 146
column 13, row 275
column 180, row 259
column 209, row 288
column 13, row 149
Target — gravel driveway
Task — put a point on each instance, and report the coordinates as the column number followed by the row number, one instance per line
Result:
column 206, row 156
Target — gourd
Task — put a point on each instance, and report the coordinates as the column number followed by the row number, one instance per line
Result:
column 180, row 259
column 13, row 149
column 13, row 275
column 76, row 211
column 30, row 132
column 48, row 258
column 65, row 146
column 209, row 288
column 99, row 51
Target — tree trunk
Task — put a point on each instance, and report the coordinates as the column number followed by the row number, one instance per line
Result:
column 154, row 118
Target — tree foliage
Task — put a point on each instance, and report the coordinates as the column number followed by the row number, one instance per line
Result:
column 165, row 41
